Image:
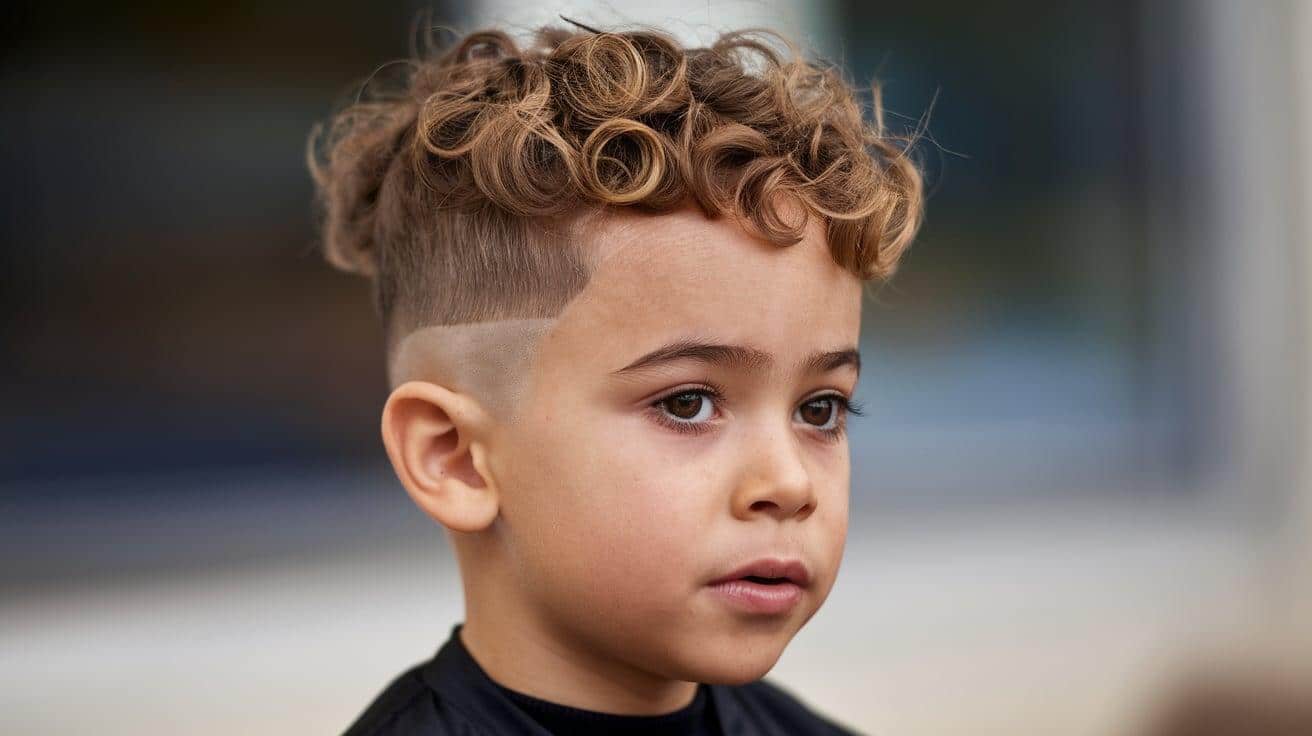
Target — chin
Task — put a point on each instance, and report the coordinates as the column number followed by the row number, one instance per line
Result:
column 734, row 660
column 736, row 670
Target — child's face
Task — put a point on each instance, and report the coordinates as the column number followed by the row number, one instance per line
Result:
column 615, row 522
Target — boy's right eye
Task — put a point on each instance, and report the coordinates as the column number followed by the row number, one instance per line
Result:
column 687, row 410
column 687, row 406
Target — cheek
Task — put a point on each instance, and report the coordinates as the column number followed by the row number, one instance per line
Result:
column 625, row 547
column 650, row 506
column 839, row 480
column 832, row 515
column 646, row 548
column 610, row 504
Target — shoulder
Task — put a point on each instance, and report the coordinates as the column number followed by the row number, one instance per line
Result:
column 770, row 706
column 408, row 706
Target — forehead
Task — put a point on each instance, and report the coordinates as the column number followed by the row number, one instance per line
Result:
column 680, row 275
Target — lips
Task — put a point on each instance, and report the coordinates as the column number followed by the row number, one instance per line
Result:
column 770, row 570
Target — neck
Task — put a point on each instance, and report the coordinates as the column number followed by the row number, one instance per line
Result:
column 520, row 653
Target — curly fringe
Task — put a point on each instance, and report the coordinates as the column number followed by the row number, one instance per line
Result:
column 580, row 120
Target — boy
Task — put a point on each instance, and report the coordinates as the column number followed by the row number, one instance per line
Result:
column 621, row 284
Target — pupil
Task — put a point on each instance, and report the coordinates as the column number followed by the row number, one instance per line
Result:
column 685, row 401
column 825, row 416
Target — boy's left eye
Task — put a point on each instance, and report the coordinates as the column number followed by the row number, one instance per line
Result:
column 828, row 409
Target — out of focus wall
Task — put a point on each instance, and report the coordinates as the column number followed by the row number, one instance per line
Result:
column 1302, row 514
column 1084, row 491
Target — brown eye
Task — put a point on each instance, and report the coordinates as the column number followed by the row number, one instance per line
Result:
column 818, row 416
column 690, row 411
column 686, row 405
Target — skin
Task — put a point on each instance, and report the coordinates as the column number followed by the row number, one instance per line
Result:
column 587, row 530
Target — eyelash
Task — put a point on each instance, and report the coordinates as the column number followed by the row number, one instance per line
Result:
column 844, row 406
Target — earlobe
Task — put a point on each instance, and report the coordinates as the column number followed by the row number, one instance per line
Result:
column 436, row 439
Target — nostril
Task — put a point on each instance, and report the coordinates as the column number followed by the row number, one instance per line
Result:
column 804, row 510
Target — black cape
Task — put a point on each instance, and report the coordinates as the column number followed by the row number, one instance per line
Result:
column 451, row 694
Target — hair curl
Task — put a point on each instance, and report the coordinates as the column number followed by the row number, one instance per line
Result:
column 441, row 187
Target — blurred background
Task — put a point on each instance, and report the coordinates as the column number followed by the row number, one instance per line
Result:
column 1081, row 498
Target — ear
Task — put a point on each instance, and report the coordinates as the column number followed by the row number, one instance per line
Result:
column 437, row 441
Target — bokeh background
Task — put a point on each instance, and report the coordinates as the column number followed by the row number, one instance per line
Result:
column 1081, row 498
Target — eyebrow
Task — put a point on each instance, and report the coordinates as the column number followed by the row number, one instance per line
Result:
column 740, row 357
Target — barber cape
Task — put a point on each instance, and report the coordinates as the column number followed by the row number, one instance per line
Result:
column 451, row 694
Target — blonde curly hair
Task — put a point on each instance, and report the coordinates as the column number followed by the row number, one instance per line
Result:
column 455, row 189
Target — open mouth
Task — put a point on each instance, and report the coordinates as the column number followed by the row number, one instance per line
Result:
column 769, row 571
column 757, row 594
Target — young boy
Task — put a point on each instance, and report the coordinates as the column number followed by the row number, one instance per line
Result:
column 621, row 283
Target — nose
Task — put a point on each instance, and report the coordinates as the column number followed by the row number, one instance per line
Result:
column 775, row 481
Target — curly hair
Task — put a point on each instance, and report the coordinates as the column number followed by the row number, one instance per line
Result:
column 450, row 188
